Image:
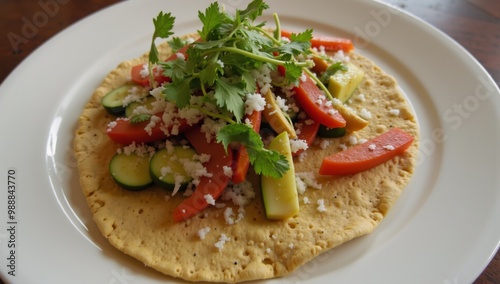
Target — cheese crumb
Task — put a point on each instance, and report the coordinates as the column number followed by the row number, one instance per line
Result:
column 394, row 112
column 228, row 171
column 203, row 232
column 388, row 147
column 306, row 200
column 254, row 102
column 222, row 240
column 228, row 216
column 372, row 147
column 298, row 144
column 210, row 199
column 365, row 114
column 321, row 205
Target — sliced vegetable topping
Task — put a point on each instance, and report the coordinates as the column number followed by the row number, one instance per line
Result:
column 314, row 103
column 208, row 188
column 167, row 167
column 242, row 160
column 280, row 194
column 115, row 101
column 125, row 131
column 368, row 155
column 327, row 42
column 210, row 87
column 130, row 171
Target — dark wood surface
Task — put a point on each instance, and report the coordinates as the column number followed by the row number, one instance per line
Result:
column 475, row 24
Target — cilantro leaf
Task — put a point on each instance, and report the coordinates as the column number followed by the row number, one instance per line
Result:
column 332, row 69
column 163, row 24
column 304, row 36
column 178, row 92
column 210, row 20
column 140, row 118
column 176, row 43
column 214, row 67
column 230, row 96
column 253, row 10
column 293, row 73
column 175, row 69
column 264, row 161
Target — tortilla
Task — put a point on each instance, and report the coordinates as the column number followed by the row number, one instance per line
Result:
column 141, row 225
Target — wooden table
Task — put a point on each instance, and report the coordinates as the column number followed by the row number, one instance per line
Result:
column 473, row 23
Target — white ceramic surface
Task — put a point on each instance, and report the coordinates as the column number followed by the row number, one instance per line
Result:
column 444, row 229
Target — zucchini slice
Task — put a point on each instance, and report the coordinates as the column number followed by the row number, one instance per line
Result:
column 167, row 167
column 327, row 132
column 146, row 102
column 130, row 171
column 113, row 101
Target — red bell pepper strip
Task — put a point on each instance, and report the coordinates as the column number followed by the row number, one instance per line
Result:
column 124, row 132
column 213, row 185
column 306, row 132
column 328, row 42
column 241, row 160
column 158, row 75
column 138, row 78
column 368, row 155
column 314, row 103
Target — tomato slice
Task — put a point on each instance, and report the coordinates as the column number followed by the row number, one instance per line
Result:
column 314, row 103
column 307, row 131
column 139, row 72
column 124, row 132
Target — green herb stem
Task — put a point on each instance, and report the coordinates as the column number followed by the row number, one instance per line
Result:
column 214, row 115
column 305, row 64
column 319, row 83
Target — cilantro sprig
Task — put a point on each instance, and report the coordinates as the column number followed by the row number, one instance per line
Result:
column 219, row 67
column 264, row 161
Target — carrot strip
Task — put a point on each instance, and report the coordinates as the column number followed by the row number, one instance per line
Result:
column 328, row 42
column 370, row 154
column 214, row 185
column 241, row 161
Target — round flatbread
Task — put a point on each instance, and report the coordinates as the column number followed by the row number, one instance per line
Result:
column 333, row 209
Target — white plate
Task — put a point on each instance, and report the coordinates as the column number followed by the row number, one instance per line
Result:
column 444, row 229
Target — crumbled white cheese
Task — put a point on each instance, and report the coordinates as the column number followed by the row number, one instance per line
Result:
column 228, row 171
column 372, row 147
column 324, row 143
column 298, row 144
column 321, row 205
column 180, row 56
column 240, row 194
column 388, row 147
column 360, row 97
column 262, row 78
column 343, row 147
column 254, row 102
column 309, row 179
column 353, row 140
column 228, row 216
column 210, row 199
column 222, row 240
column 365, row 114
column 301, row 185
column 203, row 232
column 306, row 200
column 394, row 112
